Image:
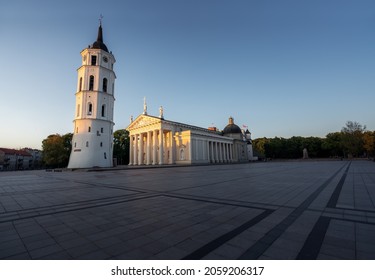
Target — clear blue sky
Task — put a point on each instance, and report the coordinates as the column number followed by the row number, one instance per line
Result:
column 284, row 68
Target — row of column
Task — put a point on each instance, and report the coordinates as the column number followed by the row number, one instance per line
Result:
column 219, row 152
column 148, row 148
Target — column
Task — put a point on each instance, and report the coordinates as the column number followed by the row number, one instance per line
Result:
column 204, row 149
column 228, row 154
column 131, row 148
column 148, row 148
column 171, row 147
column 208, row 151
column 190, row 156
column 141, row 145
column 225, row 152
column 168, row 146
column 154, row 146
column 135, row 149
column 212, row 159
column 161, row 148
column 229, row 160
column 231, row 153
column 221, row 152
column 174, row 151
column 216, row 153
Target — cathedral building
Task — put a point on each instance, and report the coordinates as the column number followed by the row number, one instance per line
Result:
column 157, row 141
column 92, row 143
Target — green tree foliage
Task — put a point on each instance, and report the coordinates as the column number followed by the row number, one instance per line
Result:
column 56, row 150
column 352, row 138
column 292, row 148
column 258, row 146
column 332, row 144
column 121, row 146
column 369, row 143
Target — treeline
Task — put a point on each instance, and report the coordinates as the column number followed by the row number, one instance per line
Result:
column 352, row 141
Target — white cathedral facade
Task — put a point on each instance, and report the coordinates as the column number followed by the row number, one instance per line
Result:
column 153, row 140
column 157, row 141
column 92, row 143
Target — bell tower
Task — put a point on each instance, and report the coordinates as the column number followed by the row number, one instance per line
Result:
column 92, row 143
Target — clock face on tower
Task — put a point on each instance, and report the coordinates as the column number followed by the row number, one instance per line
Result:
column 105, row 59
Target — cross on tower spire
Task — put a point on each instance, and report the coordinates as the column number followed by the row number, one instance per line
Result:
column 100, row 19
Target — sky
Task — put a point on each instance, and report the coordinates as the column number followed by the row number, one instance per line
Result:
column 282, row 68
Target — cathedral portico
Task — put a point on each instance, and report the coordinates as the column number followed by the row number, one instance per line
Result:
column 150, row 146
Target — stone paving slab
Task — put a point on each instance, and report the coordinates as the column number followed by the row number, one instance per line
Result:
column 274, row 210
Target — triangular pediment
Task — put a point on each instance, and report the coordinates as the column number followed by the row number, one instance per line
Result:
column 142, row 121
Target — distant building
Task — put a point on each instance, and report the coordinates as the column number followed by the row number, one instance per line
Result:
column 11, row 159
column 36, row 161
column 249, row 142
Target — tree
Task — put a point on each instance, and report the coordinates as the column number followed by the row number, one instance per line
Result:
column 121, row 144
column 258, row 146
column 313, row 146
column 56, row 150
column 332, row 144
column 276, row 148
column 369, row 143
column 352, row 138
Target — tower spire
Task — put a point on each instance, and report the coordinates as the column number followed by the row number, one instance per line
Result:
column 99, row 43
column 100, row 31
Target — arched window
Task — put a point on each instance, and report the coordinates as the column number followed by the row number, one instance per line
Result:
column 89, row 128
column 103, row 110
column 105, row 81
column 101, row 144
column 78, row 109
column 80, row 84
column 89, row 109
column 87, row 143
column 91, row 84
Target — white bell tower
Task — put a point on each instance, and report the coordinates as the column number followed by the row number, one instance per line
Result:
column 92, row 143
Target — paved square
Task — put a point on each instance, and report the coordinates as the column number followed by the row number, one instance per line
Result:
column 274, row 210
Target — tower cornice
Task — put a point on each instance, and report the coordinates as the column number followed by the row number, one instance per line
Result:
column 96, row 66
